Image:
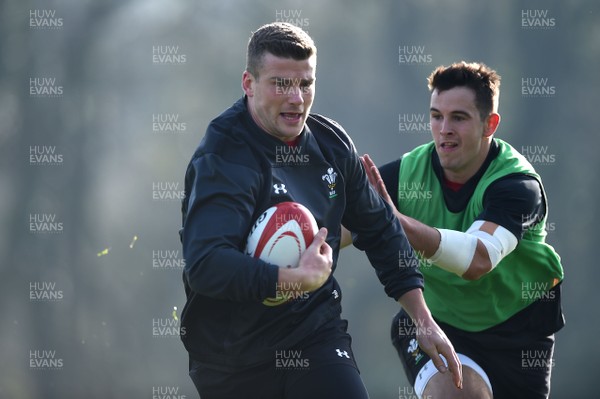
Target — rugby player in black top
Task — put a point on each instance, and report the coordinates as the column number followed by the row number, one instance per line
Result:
column 238, row 347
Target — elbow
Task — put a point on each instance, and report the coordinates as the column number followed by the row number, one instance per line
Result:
column 195, row 271
column 477, row 270
column 192, row 277
column 481, row 264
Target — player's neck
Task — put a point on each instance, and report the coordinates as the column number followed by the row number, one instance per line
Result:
column 452, row 178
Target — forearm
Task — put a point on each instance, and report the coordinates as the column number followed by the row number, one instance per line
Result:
column 230, row 275
column 414, row 304
column 469, row 254
column 424, row 239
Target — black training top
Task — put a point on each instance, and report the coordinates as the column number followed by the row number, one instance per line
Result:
column 239, row 171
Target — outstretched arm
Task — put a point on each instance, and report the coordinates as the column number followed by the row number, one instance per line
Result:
column 469, row 254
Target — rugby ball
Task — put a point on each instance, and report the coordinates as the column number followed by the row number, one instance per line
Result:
column 280, row 235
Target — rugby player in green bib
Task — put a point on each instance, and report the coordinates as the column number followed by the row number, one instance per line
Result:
column 475, row 211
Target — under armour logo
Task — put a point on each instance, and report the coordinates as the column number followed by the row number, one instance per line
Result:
column 342, row 353
column 279, row 188
column 335, row 294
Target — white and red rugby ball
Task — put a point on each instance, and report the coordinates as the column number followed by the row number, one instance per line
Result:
column 281, row 234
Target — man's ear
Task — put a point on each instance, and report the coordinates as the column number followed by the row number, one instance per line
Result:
column 492, row 122
column 248, row 83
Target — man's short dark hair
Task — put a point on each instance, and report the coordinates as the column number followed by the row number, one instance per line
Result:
column 280, row 39
column 483, row 80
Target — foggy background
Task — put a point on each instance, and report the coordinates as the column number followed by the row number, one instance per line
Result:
column 102, row 104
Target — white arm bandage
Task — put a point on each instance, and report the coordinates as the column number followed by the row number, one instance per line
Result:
column 456, row 250
column 498, row 245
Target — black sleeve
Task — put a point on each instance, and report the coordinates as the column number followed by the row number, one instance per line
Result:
column 221, row 197
column 377, row 231
column 515, row 202
column 390, row 173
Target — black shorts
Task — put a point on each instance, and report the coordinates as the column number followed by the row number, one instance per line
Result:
column 322, row 367
column 516, row 355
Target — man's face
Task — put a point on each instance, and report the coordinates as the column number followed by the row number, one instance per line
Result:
column 462, row 139
column 280, row 98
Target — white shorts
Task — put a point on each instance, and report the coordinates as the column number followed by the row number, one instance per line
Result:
column 429, row 370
